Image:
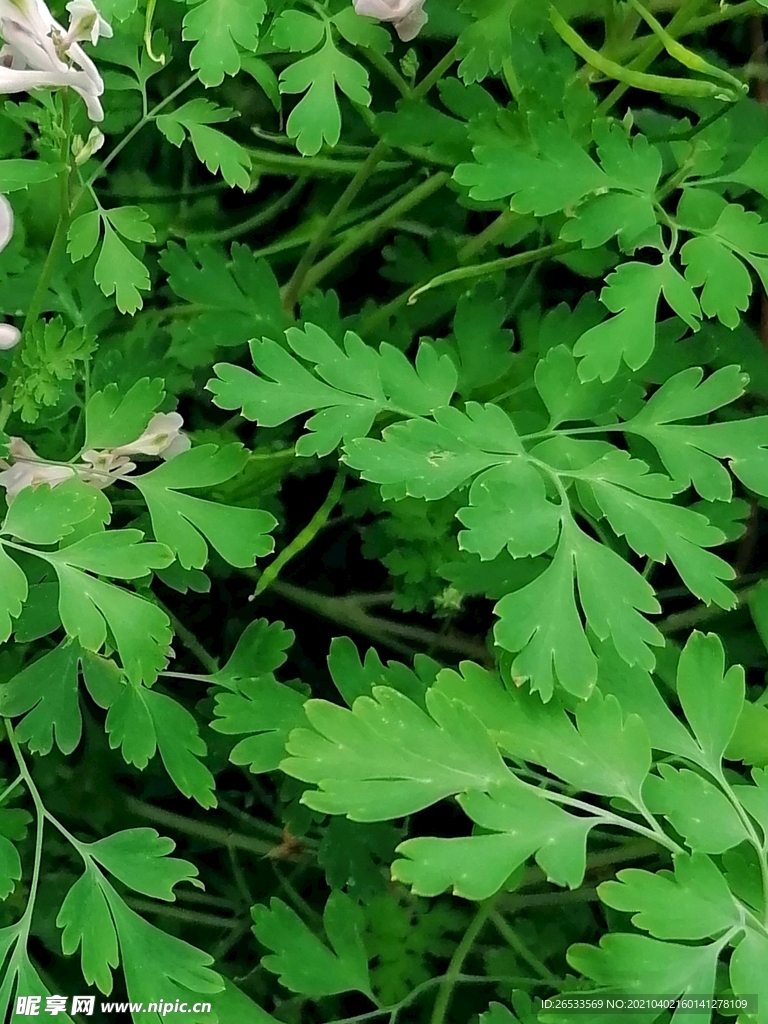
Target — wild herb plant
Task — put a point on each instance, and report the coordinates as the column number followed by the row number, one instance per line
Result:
column 334, row 332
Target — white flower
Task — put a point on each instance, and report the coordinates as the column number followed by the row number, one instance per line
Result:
column 9, row 336
column 86, row 25
column 28, row 470
column 83, row 151
column 162, row 437
column 38, row 53
column 103, row 468
column 407, row 16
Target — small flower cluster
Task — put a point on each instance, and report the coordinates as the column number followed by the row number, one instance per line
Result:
column 39, row 54
column 407, row 16
column 162, row 438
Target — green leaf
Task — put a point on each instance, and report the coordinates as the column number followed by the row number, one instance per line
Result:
column 433, row 458
column 509, row 509
column 112, row 419
column 265, row 709
column 687, row 451
column 354, row 678
column 636, row 963
column 488, row 40
column 219, row 28
column 234, row 301
column 304, row 962
column 370, row 772
column 122, row 554
column 139, row 858
column 154, row 961
column 661, row 530
column 87, row 925
column 10, row 867
column 714, row 260
column 754, row 171
column 20, row 174
column 747, row 969
column 316, row 118
column 700, row 812
column 712, row 698
column 46, row 693
column 556, row 176
column 633, row 292
column 185, row 523
column 259, row 651
column 694, row 904
column 117, row 271
column 181, row 748
column 483, row 347
column 87, row 605
column 297, row 31
column 216, row 150
column 13, row 593
column 350, row 385
column 361, row 31
column 523, row 823
column 45, row 515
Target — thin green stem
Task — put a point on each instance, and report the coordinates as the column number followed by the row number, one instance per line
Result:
column 304, row 538
column 388, row 71
column 145, row 120
column 200, row 830
column 191, row 642
column 488, row 236
column 426, row 986
column 34, row 884
column 479, row 270
column 303, row 276
column 522, row 952
column 317, row 166
column 9, row 789
column 371, row 228
column 461, row 953
column 258, row 220
column 297, row 284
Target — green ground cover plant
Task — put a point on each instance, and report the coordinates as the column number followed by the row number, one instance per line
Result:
column 384, row 454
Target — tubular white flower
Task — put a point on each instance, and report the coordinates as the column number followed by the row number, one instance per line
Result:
column 406, row 16
column 39, row 54
column 86, row 25
column 162, row 437
column 9, row 336
column 28, row 470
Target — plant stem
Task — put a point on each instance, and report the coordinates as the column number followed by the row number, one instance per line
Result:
column 200, row 830
column 368, row 230
column 487, row 236
column 651, row 51
column 304, row 537
column 388, row 71
column 191, row 642
column 521, row 951
column 492, row 267
column 346, row 612
column 259, row 219
column 291, row 164
column 463, row 949
column 26, row 920
column 298, row 283
column 145, row 120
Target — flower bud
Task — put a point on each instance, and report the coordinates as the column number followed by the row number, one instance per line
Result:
column 407, row 16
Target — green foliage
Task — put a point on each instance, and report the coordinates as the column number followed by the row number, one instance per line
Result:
column 383, row 436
